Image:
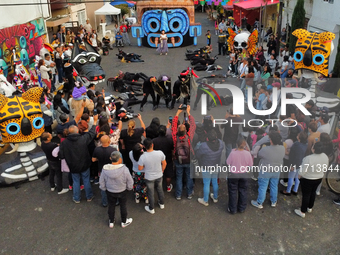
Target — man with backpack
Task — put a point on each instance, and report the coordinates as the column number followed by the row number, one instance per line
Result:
column 182, row 146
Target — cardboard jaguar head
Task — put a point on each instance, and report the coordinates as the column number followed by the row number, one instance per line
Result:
column 21, row 117
column 87, row 63
column 312, row 50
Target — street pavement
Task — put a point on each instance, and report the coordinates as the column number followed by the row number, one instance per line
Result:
column 34, row 220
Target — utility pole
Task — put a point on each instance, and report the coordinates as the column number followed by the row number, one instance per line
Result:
column 279, row 24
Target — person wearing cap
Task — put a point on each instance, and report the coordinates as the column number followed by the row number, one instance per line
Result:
column 164, row 82
column 79, row 95
column 325, row 126
column 148, row 90
column 106, row 41
column 291, row 83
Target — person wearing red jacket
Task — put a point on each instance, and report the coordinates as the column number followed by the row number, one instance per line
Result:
column 179, row 132
column 124, row 33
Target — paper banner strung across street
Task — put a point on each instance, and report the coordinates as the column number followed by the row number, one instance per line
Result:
column 216, row 2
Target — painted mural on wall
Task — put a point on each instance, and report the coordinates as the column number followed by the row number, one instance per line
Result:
column 26, row 39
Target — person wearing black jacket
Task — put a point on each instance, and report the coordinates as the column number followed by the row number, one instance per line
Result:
column 54, row 163
column 271, row 45
column 148, row 90
column 74, row 149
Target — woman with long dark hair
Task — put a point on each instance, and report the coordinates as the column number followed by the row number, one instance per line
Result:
column 139, row 185
column 58, row 107
column 209, row 154
column 130, row 137
column 44, row 73
column 152, row 130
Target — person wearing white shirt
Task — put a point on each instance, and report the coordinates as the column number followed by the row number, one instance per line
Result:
column 44, row 73
column 243, row 71
column 311, row 174
column 94, row 41
column 325, row 126
column 88, row 27
column 50, row 64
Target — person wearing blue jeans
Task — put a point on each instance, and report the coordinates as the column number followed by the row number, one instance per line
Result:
column 180, row 170
column 207, row 179
column 209, row 154
column 296, row 154
column 182, row 139
column 74, row 149
column 87, row 185
column 271, row 161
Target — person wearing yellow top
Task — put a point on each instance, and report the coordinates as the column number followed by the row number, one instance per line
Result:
column 208, row 35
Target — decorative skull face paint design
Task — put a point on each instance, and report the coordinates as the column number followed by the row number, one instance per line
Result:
column 243, row 40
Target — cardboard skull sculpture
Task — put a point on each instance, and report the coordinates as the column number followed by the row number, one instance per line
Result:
column 243, row 40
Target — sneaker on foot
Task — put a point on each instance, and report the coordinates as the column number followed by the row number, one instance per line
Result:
column 146, row 201
column 127, row 223
column 53, row 189
column 137, row 200
column 273, row 204
column 256, row 204
column 317, row 193
column 81, row 187
column 111, row 224
column 309, row 210
column 169, row 188
column 63, row 191
column 96, row 181
column 336, row 201
column 90, row 199
column 178, row 198
column 212, row 197
column 147, row 208
column 190, row 195
column 141, row 109
column 201, row 201
column 254, row 178
column 298, row 212
column 77, row 202
column 161, row 205
column 70, row 187
column 283, row 183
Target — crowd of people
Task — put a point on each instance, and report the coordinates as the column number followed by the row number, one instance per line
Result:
column 93, row 147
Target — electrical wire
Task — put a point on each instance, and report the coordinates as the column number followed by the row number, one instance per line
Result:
column 58, row 2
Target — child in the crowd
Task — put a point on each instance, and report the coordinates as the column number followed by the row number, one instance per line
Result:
column 119, row 40
column 272, row 63
column 208, row 35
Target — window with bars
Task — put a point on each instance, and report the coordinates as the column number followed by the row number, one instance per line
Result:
column 329, row 1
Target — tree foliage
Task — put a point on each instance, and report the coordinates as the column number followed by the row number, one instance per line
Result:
column 336, row 68
column 298, row 21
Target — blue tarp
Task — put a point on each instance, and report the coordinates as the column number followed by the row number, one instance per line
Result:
column 122, row 2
